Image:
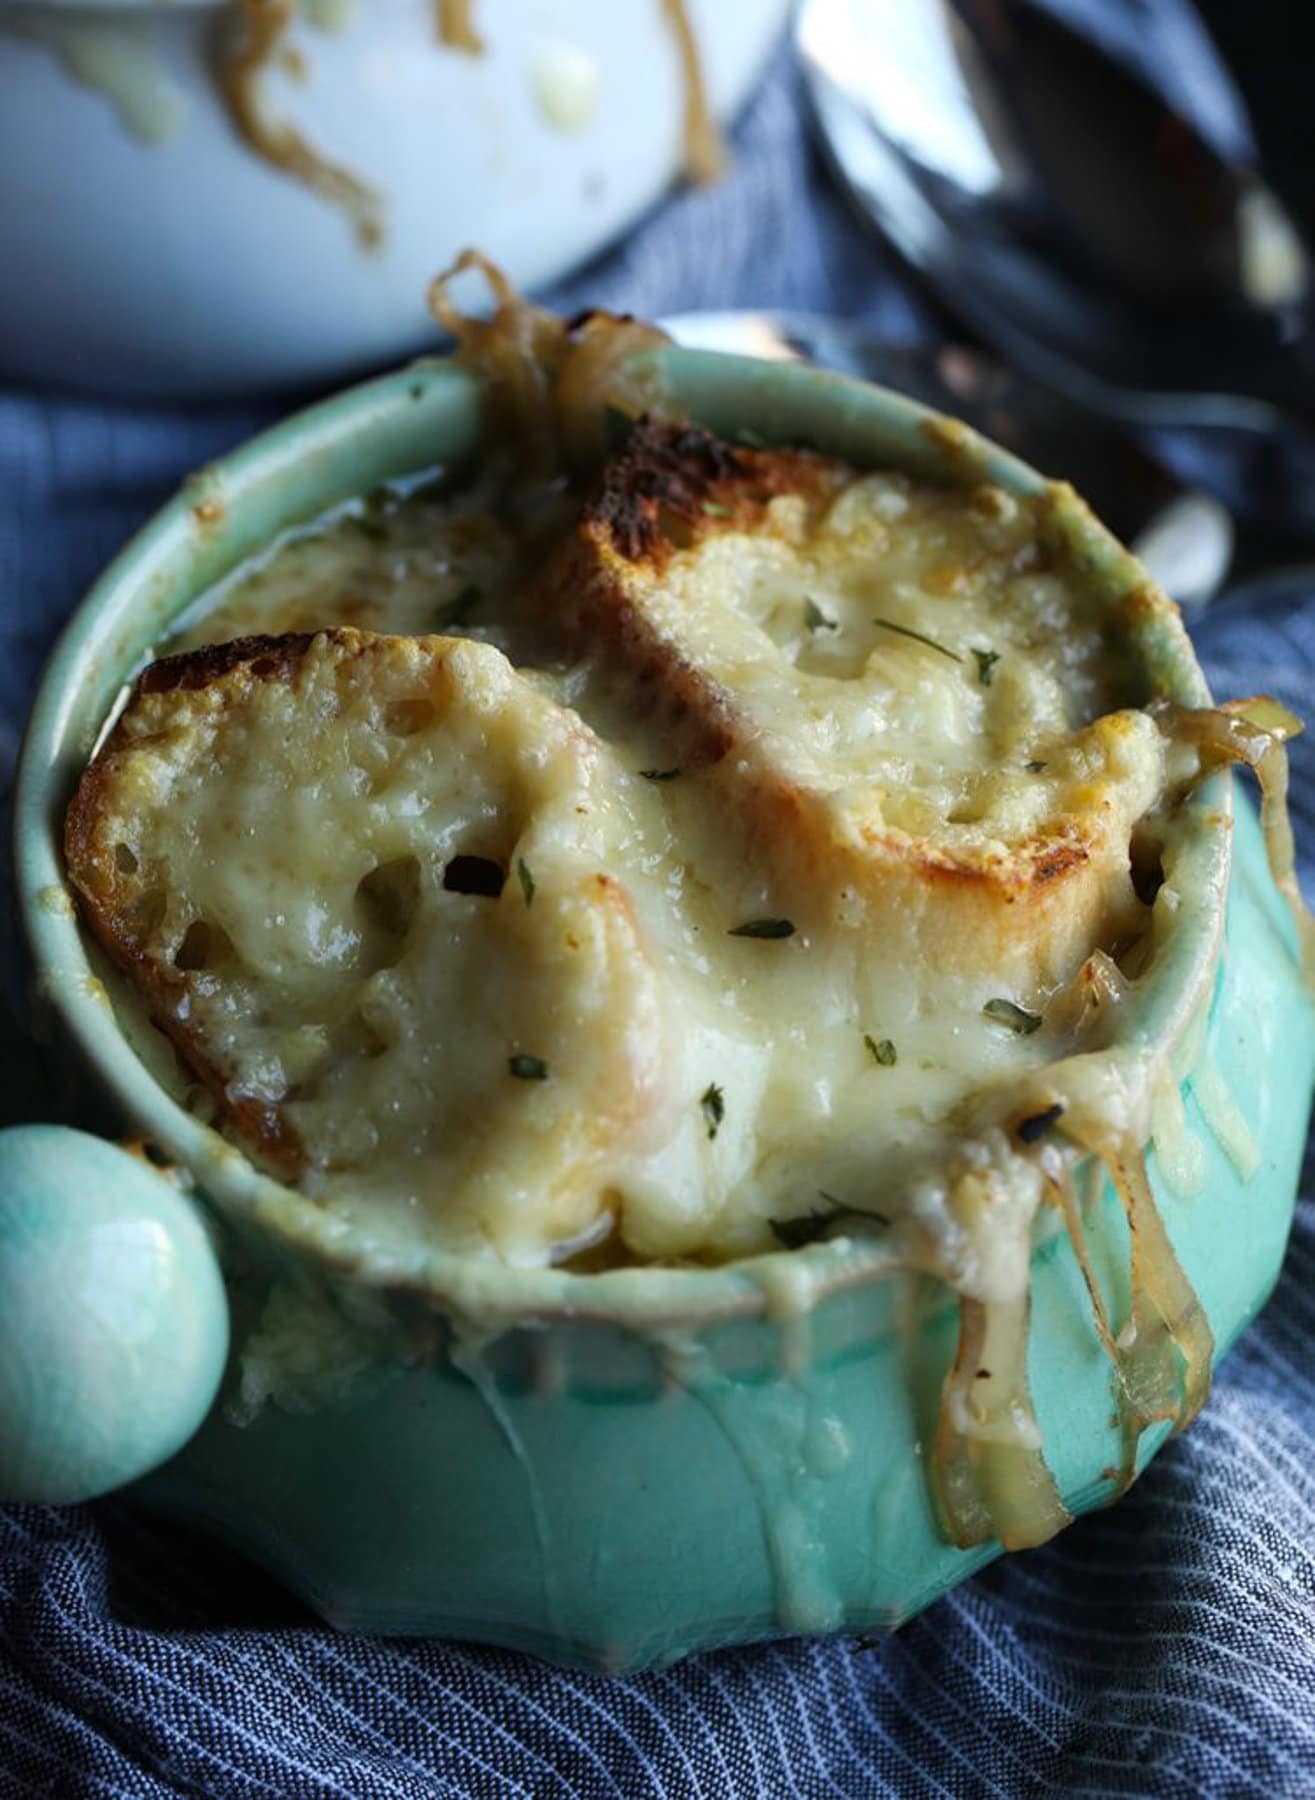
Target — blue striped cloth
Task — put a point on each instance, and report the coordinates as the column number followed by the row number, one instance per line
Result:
column 1165, row 1647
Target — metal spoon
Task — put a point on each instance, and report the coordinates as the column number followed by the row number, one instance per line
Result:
column 1185, row 538
column 1078, row 222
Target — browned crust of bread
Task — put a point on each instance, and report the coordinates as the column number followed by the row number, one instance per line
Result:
column 274, row 658
column 668, row 473
column 672, row 488
column 669, row 487
column 110, row 896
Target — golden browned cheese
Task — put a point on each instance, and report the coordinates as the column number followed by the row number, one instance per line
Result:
column 858, row 804
column 876, row 755
column 313, row 856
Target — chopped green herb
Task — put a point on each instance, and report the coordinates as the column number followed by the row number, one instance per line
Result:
column 659, row 774
column 815, row 618
column 713, row 1103
column 1035, row 768
column 986, row 661
column 867, row 1643
column 416, row 391
column 1030, row 1129
column 715, row 510
column 918, row 637
column 458, row 611
column 526, row 880
column 753, row 440
column 804, row 1229
column 883, row 1051
column 763, row 928
column 528, row 1068
column 1017, row 1018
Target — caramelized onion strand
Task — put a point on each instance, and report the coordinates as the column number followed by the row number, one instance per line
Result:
column 456, row 27
column 552, row 381
column 242, row 84
column 1164, row 1354
column 1253, row 732
column 990, row 1478
column 705, row 149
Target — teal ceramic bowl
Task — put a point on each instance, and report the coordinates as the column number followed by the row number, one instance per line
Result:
column 609, row 1470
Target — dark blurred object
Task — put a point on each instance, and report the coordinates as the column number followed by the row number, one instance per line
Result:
column 1269, row 48
column 1107, row 242
column 27, row 1090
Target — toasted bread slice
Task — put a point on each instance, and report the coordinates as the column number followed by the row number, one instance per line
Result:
column 356, row 880
column 890, row 690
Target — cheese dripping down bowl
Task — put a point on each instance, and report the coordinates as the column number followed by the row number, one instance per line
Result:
column 213, row 197
column 853, row 1159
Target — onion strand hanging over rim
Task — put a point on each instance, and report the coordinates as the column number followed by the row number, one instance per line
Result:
column 1253, row 732
column 553, row 381
column 242, row 83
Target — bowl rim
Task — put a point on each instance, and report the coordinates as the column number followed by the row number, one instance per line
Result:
column 709, row 386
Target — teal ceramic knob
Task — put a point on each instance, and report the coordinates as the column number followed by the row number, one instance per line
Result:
column 113, row 1320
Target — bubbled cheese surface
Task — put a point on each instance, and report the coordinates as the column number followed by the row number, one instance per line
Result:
column 690, row 1087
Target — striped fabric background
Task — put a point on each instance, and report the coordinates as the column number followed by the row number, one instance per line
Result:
column 1166, row 1647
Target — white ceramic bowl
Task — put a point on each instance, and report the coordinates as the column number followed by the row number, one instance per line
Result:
column 148, row 250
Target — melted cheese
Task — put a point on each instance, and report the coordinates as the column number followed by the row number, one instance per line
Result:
column 896, row 716
column 702, row 1087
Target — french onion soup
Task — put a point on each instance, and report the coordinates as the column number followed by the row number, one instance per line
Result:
column 659, row 848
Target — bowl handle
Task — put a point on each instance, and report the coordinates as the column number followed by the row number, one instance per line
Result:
column 113, row 1316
